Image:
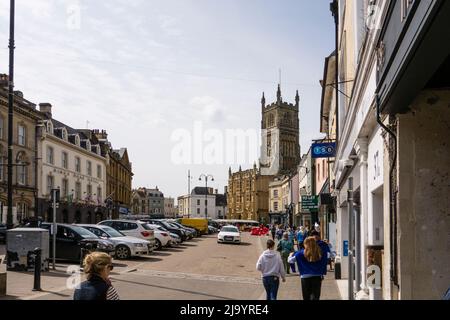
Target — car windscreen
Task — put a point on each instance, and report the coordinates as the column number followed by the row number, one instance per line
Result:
column 229, row 229
column 162, row 228
column 83, row 232
column 166, row 225
column 113, row 233
column 146, row 226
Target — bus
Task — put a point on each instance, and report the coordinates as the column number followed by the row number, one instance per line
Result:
column 245, row 225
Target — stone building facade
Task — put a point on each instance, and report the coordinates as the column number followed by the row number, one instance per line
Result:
column 25, row 182
column 248, row 195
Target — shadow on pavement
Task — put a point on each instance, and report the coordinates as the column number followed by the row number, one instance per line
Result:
column 174, row 289
column 161, row 253
column 188, row 245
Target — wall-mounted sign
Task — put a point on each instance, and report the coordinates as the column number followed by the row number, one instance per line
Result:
column 323, row 150
column 310, row 203
column 345, row 249
column 123, row 210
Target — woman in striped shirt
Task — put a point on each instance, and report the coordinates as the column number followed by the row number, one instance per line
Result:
column 97, row 266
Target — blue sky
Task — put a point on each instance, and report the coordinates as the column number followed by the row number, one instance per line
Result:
column 141, row 69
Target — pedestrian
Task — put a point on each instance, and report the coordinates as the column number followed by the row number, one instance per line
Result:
column 271, row 268
column 325, row 248
column 285, row 247
column 310, row 264
column 273, row 231
column 301, row 237
column 97, row 266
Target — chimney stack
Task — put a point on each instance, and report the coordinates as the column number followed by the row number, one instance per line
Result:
column 4, row 79
column 46, row 108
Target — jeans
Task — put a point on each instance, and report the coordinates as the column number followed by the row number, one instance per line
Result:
column 284, row 257
column 311, row 288
column 271, row 284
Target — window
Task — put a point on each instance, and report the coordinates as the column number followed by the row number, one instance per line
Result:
column 2, row 125
column 198, row 202
column 206, row 202
column 77, row 140
column 275, row 193
column 50, row 158
column 64, row 160
column 78, row 191
column 21, row 169
column 99, row 171
column 64, row 134
column 22, row 135
column 64, row 188
column 50, row 184
column 89, row 190
column 198, row 210
column 77, row 164
column 89, row 168
column 99, row 194
column 22, row 211
column 275, row 206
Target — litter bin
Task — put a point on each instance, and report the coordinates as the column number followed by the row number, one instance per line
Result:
column 337, row 269
column 2, row 276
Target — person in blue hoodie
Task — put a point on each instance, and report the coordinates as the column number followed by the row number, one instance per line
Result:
column 272, row 269
column 325, row 248
column 311, row 267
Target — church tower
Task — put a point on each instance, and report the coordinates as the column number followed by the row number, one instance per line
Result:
column 280, row 149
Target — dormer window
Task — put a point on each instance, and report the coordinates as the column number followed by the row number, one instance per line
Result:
column 64, row 134
column 88, row 145
column 77, row 140
column 49, row 127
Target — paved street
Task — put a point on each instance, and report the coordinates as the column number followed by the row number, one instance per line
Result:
column 197, row 270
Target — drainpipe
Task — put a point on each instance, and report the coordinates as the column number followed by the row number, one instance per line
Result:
column 392, row 199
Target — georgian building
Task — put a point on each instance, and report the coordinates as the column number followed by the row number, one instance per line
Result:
column 70, row 160
column 169, row 208
column 119, row 176
column 200, row 203
column 26, row 118
column 248, row 195
column 148, row 202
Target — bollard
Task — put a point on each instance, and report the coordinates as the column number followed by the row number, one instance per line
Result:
column 37, row 269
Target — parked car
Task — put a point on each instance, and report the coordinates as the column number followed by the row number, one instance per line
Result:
column 212, row 230
column 195, row 233
column 189, row 233
column 229, row 234
column 125, row 246
column 162, row 237
column 2, row 233
column 71, row 238
column 181, row 233
column 176, row 240
column 136, row 229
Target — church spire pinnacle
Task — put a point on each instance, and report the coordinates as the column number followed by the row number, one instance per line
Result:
column 263, row 101
column 297, row 99
column 279, row 98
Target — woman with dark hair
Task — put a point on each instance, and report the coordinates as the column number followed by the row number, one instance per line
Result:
column 311, row 265
column 97, row 266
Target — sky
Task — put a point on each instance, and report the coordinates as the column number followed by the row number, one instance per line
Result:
column 170, row 79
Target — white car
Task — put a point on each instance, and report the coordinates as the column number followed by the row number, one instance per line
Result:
column 135, row 229
column 125, row 246
column 229, row 234
column 163, row 238
column 175, row 238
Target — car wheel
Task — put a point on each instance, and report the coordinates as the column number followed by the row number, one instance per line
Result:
column 122, row 252
column 158, row 245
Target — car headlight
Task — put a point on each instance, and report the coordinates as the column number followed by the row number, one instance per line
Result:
column 138, row 245
column 102, row 245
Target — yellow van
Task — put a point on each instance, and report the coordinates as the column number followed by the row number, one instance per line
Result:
column 197, row 223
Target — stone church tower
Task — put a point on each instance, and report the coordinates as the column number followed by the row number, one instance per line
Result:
column 280, row 145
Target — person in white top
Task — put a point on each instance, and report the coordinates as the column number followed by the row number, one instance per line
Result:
column 271, row 267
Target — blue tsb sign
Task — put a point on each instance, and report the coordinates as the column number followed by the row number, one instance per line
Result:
column 323, row 150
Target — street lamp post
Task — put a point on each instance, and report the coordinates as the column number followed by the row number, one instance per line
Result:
column 9, row 219
column 206, row 176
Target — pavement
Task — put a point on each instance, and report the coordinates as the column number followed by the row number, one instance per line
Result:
column 200, row 269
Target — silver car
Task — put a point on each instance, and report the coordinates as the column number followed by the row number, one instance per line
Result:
column 126, row 246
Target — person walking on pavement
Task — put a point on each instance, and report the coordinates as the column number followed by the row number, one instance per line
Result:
column 273, row 230
column 310, row 264
column 97, row 266
column 272, row 269
column 301, row 237
column 285, row 247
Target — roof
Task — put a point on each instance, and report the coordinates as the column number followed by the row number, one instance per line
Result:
column 221, row 200
column 200, row 191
